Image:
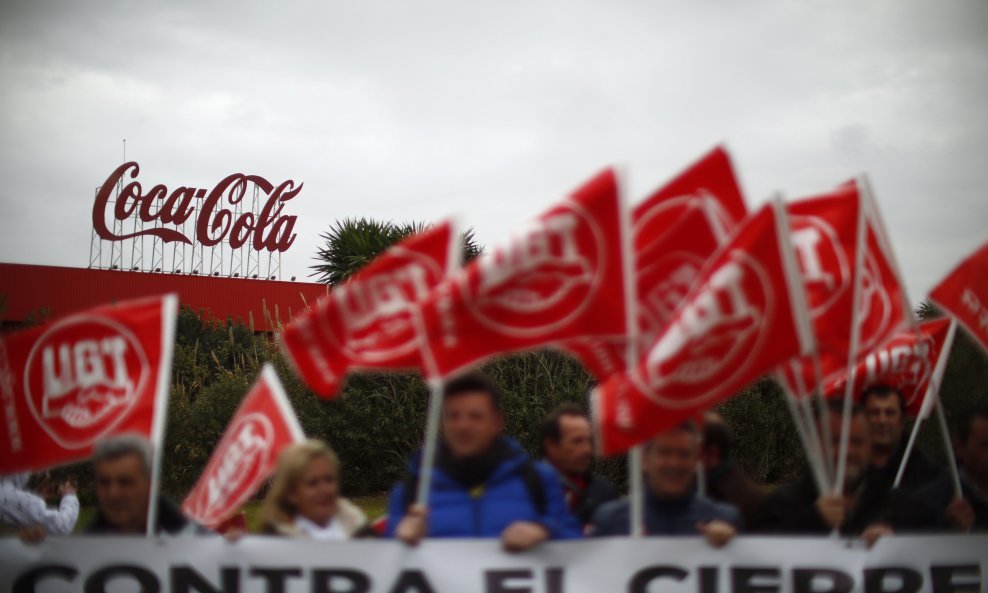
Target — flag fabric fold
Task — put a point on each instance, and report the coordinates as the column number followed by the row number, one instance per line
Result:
column 67, row 384
column 964, row 295
column 906, row 361
column 674, row 231
column 367, row 322
column 828, row 231
column 745, row 314
column 563, row 277
column 246, row 454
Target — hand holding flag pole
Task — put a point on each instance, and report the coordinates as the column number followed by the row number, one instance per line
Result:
column 931, row 397
column 554, row 282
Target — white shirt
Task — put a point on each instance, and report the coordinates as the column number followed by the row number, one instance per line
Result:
column 21, row 508
column 331, row 532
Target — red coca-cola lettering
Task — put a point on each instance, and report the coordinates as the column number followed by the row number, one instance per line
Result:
column 269, row 229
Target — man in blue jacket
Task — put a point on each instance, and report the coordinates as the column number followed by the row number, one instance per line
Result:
column 484, row 484
column 672, row 506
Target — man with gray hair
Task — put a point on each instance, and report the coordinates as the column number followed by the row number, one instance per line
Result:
column 122, row 470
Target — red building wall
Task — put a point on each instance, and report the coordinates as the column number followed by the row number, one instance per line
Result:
column 62, row 290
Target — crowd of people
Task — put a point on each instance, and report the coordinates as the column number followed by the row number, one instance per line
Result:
column 485, row 485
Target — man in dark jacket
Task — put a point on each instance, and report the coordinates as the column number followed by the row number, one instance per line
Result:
column 799, row 507
column 726, row 481
column 672, row 506
column 484, row 484
column 885, row 409
column 939, row 507
column 567, row 445
column 122, row 470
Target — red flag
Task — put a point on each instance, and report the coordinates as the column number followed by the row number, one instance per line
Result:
column 247, row 453
column 667, row 266
column 907, row 361
column 564, row 277
column 712, row 176
column 883, row 308
column 366, row 322
column 745, row 315
column 82, row 378
column 964, row 294
column 825, row 236
column 675, row 230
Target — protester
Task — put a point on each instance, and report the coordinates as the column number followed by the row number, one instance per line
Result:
column 484, row 484
column 800, row 508
column 567, row 445
column 885, row 409
column 122, row 469
column 726, row 481
column 304, row 500
column 28, row 512
column 672, row 505
column 938, row 506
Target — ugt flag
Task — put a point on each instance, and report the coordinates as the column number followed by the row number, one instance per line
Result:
column 69, row 383
column 666, row 269
column 245, row 456
column 674, row 231
column 565, row 276
column 826, row 231
column 907, row 361
column 745, row 315
column 366, row 322
column 882, row 309
column 964, row 294
column 712, row 176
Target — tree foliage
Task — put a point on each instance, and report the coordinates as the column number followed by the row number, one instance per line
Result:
column 352, row 243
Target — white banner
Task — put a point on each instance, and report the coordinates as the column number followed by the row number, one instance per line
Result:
column 934, row 564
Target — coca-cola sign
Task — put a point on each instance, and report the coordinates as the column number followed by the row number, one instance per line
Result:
column 221, row 213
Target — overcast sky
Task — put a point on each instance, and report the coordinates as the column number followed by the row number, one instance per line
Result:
column 493, row 110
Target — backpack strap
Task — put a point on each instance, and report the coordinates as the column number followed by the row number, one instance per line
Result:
column 535, row 486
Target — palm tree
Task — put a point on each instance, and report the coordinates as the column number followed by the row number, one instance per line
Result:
column 926, row 310
column 350, row 244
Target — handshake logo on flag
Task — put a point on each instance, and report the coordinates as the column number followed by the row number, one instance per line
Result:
column 717, row 332
column 376, row 314
column 541, row 281
column 82, row 377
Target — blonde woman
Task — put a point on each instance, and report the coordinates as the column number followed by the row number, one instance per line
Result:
column 304, row 500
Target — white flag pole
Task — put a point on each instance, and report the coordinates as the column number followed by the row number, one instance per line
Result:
column 433, row 378
column 885, row 244
column 636, row 487
column 935, row 383
column 800, row 421
column 826, row 435
column 932, row 391
column 909, row 449
column 804, row 323
column 428, row 461
column 169, row 315
column 852, row 351
column 803, row 397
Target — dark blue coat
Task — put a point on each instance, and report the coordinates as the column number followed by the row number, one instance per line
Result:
column 455, row 511
column 664, row 517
